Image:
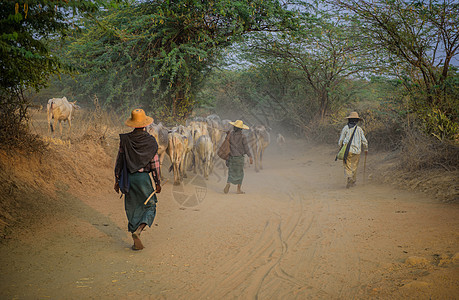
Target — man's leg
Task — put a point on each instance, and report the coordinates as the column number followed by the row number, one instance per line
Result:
column 227, row 187
column 136, row 237
column 239, row 191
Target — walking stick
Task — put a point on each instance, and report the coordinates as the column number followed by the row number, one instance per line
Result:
column 154, row 192
column 364, row 166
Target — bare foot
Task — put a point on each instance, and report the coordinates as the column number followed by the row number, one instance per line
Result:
column 137, row 242
column 240, row 192
column 226, row 189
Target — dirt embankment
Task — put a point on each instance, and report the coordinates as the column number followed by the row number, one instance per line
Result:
column 297, row 233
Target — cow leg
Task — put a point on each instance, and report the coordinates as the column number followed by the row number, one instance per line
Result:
column 70, row 125
column 176, row 174
column 60, row 127
column 55, row 125
column 50, row 126
column 205, row 169
column 183, row 165
column 195, row 163
column 161, row 158
column 261, row 159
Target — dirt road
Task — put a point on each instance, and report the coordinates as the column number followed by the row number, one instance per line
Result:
column 297, row 233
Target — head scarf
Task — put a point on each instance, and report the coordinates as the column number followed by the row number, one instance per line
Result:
column 352, row 122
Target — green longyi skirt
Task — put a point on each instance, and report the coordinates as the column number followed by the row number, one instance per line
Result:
column 235, row 169
column 140, row 188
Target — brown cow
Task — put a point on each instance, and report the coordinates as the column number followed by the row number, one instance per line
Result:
column 188, row 156
column 258, row 139
column 176, row 150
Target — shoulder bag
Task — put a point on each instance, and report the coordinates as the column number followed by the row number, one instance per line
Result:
column 224, row 151
column 344, row 151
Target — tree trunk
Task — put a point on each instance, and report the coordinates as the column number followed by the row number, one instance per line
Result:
column 323, row 108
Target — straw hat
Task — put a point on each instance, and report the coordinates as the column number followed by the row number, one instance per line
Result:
column 239, row 124
column 353, row 115
column 138, row 119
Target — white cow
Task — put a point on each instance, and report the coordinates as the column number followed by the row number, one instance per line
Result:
column 258, row 139
column 60, row 109
column 176, row 150
column 189, row 142
column 204, row 155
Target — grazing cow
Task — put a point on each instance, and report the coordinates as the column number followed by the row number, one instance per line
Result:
column 161, row 135
column 176, row 150
column 58, row 110
column 258, row 140
column 203, row 149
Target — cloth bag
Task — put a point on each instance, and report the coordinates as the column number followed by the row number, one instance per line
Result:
column 224, row 151
column 341, row 152
column 344, row 151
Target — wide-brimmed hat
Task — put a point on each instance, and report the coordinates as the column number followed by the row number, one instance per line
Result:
column 353, row 115
column 138, row 119
column 239, row 124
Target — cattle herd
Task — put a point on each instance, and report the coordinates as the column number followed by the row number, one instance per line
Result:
column 193, row 147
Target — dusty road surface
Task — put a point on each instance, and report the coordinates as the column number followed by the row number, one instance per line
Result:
column 297, row 233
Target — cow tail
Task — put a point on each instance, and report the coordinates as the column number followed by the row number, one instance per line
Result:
column 52, row 116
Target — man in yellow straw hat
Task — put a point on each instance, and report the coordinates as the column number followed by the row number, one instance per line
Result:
column 137, row 157
column 351, row 159
column 238, row 148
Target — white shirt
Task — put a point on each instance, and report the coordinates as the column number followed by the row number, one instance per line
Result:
column 357, row 141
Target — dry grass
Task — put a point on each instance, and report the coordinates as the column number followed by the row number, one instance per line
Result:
column 422, row 152
column 29, row 179
column 424, row 164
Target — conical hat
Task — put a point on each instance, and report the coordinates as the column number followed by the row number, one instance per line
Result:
column 239, row 124
column 138, row 119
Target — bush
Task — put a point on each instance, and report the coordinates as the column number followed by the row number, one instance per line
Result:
column 14, row 131
column 422, row 152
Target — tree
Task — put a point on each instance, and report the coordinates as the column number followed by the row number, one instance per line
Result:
column 25, row 58
column 26, row 28
column 325, row 51
column 421, row 38
column 156, row 53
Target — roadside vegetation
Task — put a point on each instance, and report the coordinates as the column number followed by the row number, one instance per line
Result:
column 298, row 68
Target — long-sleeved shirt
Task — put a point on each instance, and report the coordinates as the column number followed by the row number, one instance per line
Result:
column 358, row 140
column 238, row 144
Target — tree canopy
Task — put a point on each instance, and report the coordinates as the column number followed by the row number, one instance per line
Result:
column 155, row 53
column 26, row 59
column 421, row 38
column 26, row 28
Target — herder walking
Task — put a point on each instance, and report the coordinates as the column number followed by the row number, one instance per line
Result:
column 351, row 159
column 137, row 157
column 238, row 148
